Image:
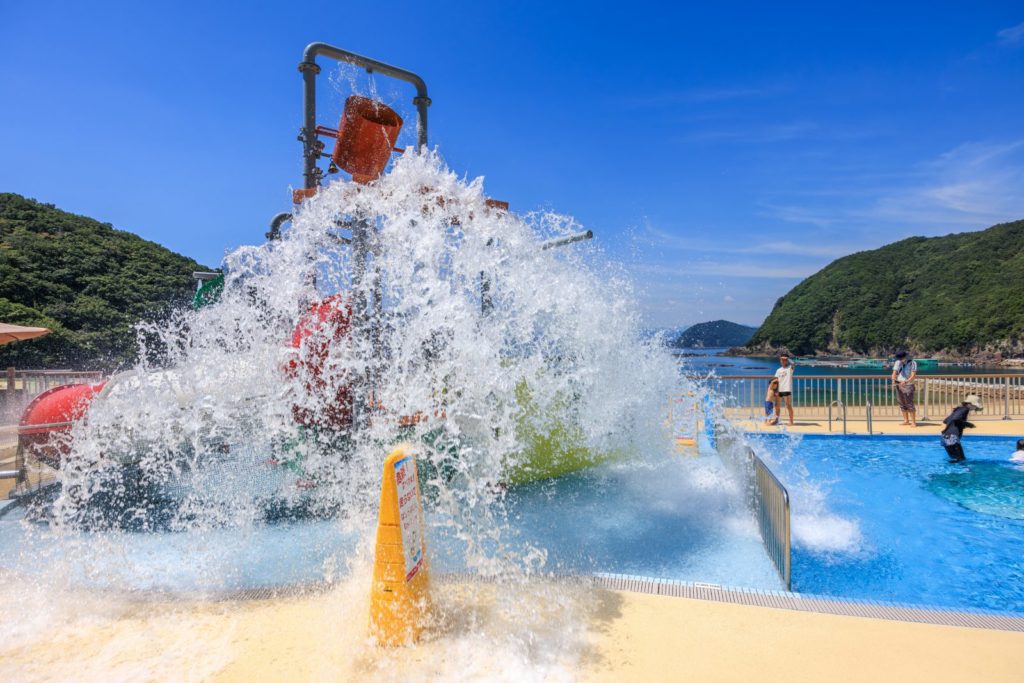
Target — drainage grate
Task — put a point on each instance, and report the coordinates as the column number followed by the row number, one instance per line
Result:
column 892, row 611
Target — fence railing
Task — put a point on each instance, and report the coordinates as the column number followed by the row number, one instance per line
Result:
column 935, row 395
column 19, row 387
column 768, row 498
column 771, row 506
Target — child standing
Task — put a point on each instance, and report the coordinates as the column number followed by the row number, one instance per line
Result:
column 771, row 403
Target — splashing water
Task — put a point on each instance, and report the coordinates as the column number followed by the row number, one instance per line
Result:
column 449, row 327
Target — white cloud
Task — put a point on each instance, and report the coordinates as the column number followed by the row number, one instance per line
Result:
column 1011, row 36
column 817, row 248
column 973, row 185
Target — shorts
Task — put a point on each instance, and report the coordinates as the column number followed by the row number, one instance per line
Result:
column 905, row 397
column 769, row 408
column 785, row 393
column 954, row 449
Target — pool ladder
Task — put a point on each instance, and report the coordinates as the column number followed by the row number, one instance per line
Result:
column 842, row 405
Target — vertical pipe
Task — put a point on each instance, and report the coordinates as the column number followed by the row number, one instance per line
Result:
column 924, row 413
column 310, row 143
column 360, row 316
column 421, row 102
column 1006, row 398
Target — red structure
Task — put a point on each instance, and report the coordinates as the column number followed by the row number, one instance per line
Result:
column 46, row 422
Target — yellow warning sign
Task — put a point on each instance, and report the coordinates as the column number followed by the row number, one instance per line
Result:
column 400, row 600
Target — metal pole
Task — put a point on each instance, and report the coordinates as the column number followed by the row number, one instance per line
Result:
column 1006, row 398
column 925, row 415
column 360, row 318
column 311, row 146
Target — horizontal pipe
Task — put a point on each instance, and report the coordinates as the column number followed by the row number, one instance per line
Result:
column 8, row 474
column 569, row 239
column 313, row 49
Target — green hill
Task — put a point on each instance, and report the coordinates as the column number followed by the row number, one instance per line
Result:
column 714, row 334
column 957, row 295
column 83, row 279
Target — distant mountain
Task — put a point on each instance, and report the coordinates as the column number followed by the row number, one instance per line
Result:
column 956, row 295
column 714, row 334
column 86, row 281
column 667, row 333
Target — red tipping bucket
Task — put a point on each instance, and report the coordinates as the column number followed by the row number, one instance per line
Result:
column 366, row 136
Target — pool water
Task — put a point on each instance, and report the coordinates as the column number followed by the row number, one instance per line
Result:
column 888, row 518
column 671, row 517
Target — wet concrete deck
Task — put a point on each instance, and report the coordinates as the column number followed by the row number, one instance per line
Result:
column 539, row 634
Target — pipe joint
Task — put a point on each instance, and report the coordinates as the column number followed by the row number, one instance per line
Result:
column 309, row 66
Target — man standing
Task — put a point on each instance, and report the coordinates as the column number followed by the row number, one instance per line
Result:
column 904, row 370
column 785, row 376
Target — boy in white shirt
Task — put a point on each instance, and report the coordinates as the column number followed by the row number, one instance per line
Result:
column 785, row 376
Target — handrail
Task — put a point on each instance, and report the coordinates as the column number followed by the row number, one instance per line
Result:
column 842, row 405
column 869, row 418
column 935, row 395
column 771, row 505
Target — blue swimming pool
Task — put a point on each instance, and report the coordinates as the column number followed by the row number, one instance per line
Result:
column 675, row 517
column 887, row 518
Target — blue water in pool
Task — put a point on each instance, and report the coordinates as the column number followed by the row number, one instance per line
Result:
column 913, row 528
column 675, row 517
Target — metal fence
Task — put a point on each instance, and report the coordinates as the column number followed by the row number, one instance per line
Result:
column 768, row 498
column 771, row 506
column 19, row 387
column 935, row 395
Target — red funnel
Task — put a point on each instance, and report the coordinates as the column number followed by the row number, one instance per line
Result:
column 366, row 136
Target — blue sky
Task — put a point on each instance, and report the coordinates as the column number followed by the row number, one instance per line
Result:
column 720, row 151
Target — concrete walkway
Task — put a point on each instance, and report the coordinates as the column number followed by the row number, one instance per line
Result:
column 535, row 632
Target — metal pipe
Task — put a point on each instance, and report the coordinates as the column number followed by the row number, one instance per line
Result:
column 870, row 426
column 312, row 147
column 275, row 225
column 9, row 474
column 569, row 239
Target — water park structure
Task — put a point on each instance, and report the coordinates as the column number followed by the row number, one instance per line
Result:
column 409, row 429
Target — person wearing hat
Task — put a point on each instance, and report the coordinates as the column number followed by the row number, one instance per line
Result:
column 904, row 370
column 956, row 422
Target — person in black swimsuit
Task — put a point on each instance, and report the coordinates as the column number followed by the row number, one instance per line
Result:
column 956, row 422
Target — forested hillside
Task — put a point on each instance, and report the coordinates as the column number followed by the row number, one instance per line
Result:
column 714, row 334
column 83, row 279
column 960, row 294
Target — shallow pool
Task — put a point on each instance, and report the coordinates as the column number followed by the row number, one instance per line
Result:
column 887, row 518
column 674, row 517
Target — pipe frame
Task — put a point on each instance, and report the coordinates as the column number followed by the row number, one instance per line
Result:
column 312, row 147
